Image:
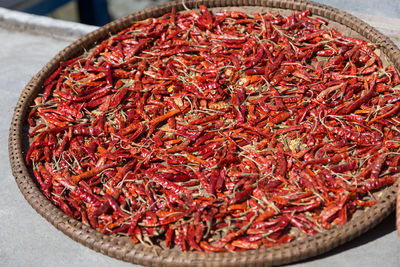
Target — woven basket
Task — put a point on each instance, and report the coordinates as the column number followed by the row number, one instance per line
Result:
column 122, row 247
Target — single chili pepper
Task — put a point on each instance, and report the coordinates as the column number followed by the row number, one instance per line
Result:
column 169, row 237
column 180, row 240
column 246, row 244
column 326, row 53
column 47, row 180
column 114, row 205
column 37, row 130
column 309, row 36
column 302, row 208
column 334, row 159
column 210, row 248
column 278, row 226
column 377, row 183
column 165, row 183
column 376, row 167
column 118, row 97
column 206, row 18
column 93, row 172
column 191, row 239
column 366, row 203
column 344, row 167
column 164, row 117
column 87, row 197
column 391, row 112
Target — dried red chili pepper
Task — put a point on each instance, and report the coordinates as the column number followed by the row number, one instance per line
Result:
column 214, row 133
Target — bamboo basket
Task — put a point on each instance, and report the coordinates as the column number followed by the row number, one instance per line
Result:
column 122, row 247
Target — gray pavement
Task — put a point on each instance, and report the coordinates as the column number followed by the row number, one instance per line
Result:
column 386, row 8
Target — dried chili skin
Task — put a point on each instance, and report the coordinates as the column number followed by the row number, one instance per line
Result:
column 218, row 131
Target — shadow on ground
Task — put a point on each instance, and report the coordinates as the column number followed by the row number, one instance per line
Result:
column 387, row 226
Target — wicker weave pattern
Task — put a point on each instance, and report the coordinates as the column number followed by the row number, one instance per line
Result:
column 122, row 247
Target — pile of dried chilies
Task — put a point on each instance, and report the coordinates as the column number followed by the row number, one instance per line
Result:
column 218, row 132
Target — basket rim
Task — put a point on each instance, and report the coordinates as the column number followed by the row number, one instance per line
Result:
column 123, row 248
